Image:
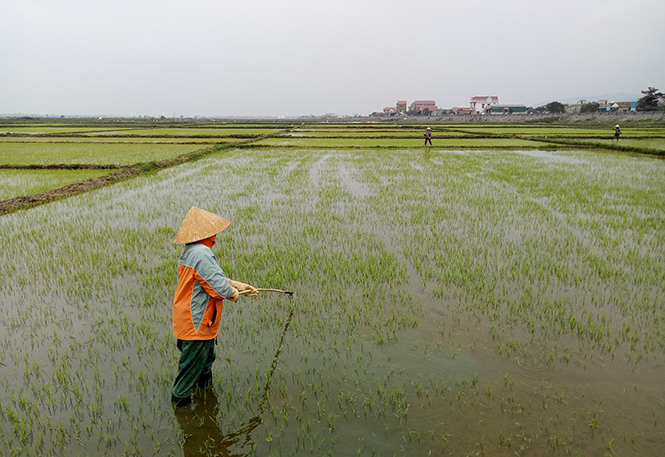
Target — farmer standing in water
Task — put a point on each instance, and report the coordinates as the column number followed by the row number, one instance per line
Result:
column 617, row 132
column 428, row 136
column 199, row 298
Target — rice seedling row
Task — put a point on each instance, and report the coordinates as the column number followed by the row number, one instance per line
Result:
column 630, row 142
column 450, row 143
column 469, row 302
column 50, row 153
column 385, row 134
column 563, row 131
column 192, row 132
column 14, row 183
column 51, row 130
column 121, row 139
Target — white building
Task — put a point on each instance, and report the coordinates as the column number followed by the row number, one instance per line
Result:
column 480, row 103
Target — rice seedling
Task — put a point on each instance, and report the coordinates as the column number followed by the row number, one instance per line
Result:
column 22, row 182
column 107, row 138
column 329, row 142
column 412, row 132
column 456, row 302
column 46, row 129
column 92, row 153
column 640, row 143
column 247, row 132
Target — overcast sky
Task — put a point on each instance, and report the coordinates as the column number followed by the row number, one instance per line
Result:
column 300, row 57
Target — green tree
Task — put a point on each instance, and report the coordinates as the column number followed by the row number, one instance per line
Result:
column 591, row 107
column 650, row 100
column 555, row 107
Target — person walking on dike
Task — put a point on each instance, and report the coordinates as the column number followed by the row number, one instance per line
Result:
column 617, row 132
column 197, row 305
column 428, row 136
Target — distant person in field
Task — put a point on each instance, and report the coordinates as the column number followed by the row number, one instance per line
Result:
column 428, row 136
column 199, row 298
column 617, row 132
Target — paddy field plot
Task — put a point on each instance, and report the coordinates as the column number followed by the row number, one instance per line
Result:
column 196, row 132
column 654, row 143
column 399, row 142
column 50, row 129
column 122, row 139
column 189, row 132
column 14, row 183
column 460, row 302
column 369, row 133
column 562, row 132
column 93, row 153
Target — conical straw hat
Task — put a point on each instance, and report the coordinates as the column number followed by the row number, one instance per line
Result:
column 199, row 224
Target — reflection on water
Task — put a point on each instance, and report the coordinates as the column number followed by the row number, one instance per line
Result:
column 524, row 315
column 202, row 436
column 201, row 432
column 548, row 155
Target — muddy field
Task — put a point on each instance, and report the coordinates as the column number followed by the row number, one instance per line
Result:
column 448, row 302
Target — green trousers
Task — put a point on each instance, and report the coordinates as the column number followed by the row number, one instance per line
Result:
column 194, row 367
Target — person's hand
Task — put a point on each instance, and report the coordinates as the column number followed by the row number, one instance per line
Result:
column 245, row 289
column 250, row 291
column 234, row 296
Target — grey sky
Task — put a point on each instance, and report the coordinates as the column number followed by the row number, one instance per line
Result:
column 298, row 57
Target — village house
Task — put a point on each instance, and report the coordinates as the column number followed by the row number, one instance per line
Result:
column 604, row 106
column 623, row 107
column 420, row 105
column 613, row 107
column 480, row 103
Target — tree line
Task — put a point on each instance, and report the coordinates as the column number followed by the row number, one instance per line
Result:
column 649, row 102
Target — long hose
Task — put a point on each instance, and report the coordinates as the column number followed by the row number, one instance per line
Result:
column 249, row 426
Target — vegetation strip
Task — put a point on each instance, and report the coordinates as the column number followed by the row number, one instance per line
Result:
column 62, row 166
column 126, row 172
column 615, row 147
column 459, row 301
column 488, row 302
column 31, row 200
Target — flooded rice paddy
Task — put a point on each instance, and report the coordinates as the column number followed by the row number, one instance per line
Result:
column 491, row 303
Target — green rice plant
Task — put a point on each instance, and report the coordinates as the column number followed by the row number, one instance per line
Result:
column 398, row 143
column 562, row 131
column 94, row 153
column 123, row 139
column 635, row 143
column 525, row 257
column 193, row 132
column 14, row 183
column 51, row 129
column 366, row 133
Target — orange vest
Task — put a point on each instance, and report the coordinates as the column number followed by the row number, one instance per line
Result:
column 199, row 297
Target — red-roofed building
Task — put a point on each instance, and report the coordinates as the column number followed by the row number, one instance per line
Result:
column 390, row 110
column 480, row 103
column 420, row 105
